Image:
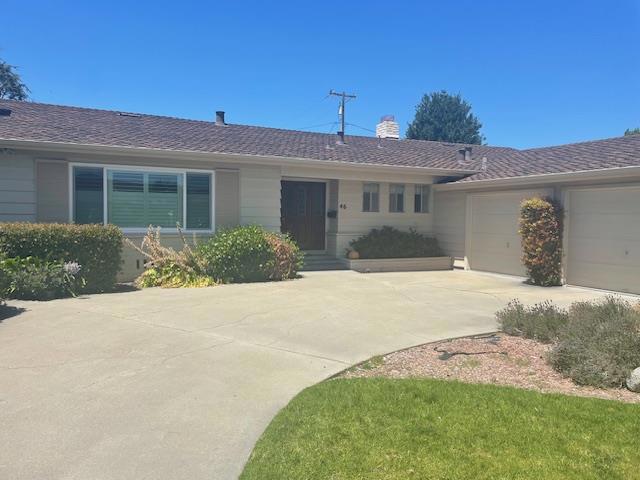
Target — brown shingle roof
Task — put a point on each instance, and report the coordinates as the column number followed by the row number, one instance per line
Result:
column 575, row 157
column 53, row 123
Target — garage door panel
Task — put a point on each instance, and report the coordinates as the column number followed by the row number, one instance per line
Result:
column 495, row 244
column 609, row 201
column 609, row 277
column 499, row 263
column 497, row 224
column 603, row 245
column 498, row 205
column 605, row 226
column 616, row 252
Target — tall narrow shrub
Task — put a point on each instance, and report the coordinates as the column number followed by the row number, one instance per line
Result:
column 541, row 222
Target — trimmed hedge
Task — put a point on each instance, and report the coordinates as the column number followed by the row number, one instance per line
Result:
column 389, row 242
column 541, row 231
column 97, row 248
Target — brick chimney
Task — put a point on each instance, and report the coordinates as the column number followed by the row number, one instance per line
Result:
column 388, row 127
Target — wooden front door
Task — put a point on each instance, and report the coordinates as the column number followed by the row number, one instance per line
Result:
column 303, row 213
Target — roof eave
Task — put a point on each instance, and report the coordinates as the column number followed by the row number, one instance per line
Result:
column 62, row 147
column 563, row 177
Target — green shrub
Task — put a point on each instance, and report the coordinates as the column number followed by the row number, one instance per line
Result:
column 97, row 248
column 541, row 231
column 34, row 279
column 389, row 242
column 172, row 276
column 4, row 281
column 600, row 344
column 249, row 254
column 541, row 322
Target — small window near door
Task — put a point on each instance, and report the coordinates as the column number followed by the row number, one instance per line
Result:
column 371, row 197
column 421, row 199
column 396, row 198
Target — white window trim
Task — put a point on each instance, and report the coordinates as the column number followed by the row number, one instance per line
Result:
column 404, row 197
column 421, row 186
column 114, row 166
column 370, row 193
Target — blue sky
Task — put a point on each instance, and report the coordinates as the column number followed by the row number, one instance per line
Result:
column 537, row 73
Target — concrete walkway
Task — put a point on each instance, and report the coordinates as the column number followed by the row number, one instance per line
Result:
column 179, row 384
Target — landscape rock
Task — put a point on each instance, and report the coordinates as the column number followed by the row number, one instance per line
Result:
column 633, row 382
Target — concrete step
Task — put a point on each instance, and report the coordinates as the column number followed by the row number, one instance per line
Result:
column 317, row 262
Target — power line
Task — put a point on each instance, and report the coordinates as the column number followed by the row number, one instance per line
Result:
column 316, row 126
column 361, row 127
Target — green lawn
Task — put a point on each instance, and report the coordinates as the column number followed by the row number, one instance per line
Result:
column 430, row 429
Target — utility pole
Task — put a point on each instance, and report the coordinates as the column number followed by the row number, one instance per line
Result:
column 343, row 99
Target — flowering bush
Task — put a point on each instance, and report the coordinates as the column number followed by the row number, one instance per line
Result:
column 35, row 279
column 541, row 232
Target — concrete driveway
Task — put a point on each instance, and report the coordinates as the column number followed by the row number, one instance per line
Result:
column 179, row 384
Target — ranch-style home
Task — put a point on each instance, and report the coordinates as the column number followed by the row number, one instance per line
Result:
column 67, row 164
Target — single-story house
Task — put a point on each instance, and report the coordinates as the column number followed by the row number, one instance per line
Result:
column 68, row 164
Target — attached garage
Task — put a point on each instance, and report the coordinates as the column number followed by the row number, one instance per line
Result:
column 493, row 242
column 603, row 231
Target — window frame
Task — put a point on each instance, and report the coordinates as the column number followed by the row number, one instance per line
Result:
column 364, row 184
column 404, row 195
column 421, row 186
column 144, row 169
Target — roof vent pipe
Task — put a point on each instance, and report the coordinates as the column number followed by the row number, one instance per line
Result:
column 220, row 118
column 467, row 154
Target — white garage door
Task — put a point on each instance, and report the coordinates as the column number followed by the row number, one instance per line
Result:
column 604, row 238
column 494, row 244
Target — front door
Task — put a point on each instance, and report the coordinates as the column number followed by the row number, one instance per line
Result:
column 303, row 213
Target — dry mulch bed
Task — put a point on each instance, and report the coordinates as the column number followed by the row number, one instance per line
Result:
column 497, row 359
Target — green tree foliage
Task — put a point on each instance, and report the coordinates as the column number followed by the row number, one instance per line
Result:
column 443, row 117
column 11, row 86
column 632, row 131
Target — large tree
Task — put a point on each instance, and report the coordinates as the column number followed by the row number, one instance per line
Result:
column 11, row 85
column 632, row 131
column 444, row 117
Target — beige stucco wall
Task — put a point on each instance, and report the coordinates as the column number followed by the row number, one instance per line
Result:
column 52, row 191
column 260, row 196
column 353, row 222
column 17, row 188
column 449, row 221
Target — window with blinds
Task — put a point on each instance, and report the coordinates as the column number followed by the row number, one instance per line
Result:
column 136, row 199
column 421, row 199
column 396, row 198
